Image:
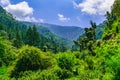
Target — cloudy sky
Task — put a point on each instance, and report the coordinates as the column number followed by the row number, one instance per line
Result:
column 60, row 12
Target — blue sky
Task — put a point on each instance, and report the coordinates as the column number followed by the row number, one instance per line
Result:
column 60, row 12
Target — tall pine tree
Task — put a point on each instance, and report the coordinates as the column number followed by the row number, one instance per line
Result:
column 32, row 36
column 17, row 42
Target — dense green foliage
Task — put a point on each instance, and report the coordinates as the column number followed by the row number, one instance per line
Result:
column 116, row 9
column 30, row 58
column 66, row 61
column 22, row 59
column 33, row 37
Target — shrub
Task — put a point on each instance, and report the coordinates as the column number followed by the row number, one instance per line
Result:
column 66, row 60
column 7, row 52
column 37, row 75
column 9, row 57
column 63, row 73
column 30, row 58
column 47, row 75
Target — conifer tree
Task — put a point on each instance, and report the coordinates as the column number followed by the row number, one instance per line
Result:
column 29, row 36
column 110, row 19
column 93, row 24
column 17, row 42
column 33, row 37
column 86, row 42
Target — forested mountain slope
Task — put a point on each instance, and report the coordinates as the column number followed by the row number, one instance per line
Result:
column 49, row 34
column 11, row 24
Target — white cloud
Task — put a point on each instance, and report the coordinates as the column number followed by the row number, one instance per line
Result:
column 30, row 19
column 21, row 11
column 4, row 2
column 62, row 18
column 95, row 6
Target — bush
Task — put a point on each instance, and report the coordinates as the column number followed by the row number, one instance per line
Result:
column 3, row 48
column 37, row 75
column 63, row 73
column 66, row 60
column 7, row 52
column 47, row 75
column 30, row 58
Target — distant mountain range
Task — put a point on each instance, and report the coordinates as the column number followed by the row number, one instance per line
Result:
column 67, row 32
column 71, row 32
